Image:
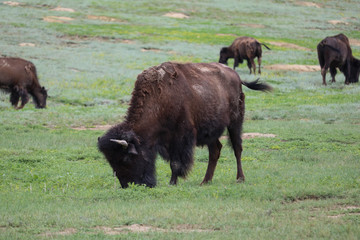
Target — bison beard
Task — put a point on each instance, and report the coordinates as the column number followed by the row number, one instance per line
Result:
column 173, row 108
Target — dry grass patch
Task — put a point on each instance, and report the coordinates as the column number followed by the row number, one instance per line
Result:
column 96, row 127
column 61, row 9
column 289, row 45
column 65, row 232
column 104, row 18
column 294, row 67
column 253, row 135
column 354, row 42
column 176, row 15
column 308, row 4
column 10, row 3
column 336, row 22
column 252, row 25
column 27, row 45
column 140, row 228
column 56, row 19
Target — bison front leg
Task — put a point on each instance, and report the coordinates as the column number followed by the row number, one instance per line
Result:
column 259, row 63
column 236, row 62
column 214, row 154
column 14, row 98
column 181, row 156
column 24, row 98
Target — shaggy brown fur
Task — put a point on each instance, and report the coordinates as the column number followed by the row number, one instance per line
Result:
column 19, row 77
column 335, row 52
column 243, row 48
column 175, row 107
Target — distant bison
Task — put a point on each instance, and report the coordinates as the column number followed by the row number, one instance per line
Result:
column 335, row 52
column 19, row 77
column 173, row 108
column 243, row 48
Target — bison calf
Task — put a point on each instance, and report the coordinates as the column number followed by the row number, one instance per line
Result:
column 243, row 48
column 19, row 78
column 173, row 108
column 335, row 52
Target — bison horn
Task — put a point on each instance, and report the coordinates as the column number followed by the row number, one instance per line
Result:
column 121, row 142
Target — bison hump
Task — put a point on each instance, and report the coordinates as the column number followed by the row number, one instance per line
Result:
column 158, row 73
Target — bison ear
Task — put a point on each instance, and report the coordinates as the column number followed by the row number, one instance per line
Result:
column 132, row 149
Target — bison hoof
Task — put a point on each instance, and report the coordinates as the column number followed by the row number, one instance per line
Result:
column 240, row 180
column 204, row 182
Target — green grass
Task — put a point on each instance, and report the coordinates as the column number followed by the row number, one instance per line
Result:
column 302, row 184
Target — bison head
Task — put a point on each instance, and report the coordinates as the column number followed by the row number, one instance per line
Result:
column 39, row 97
column 225, row 54
column 131, row 161
column 355, row 71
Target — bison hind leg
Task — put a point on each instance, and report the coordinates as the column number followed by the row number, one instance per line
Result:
column 333, row 73
column 214, row 154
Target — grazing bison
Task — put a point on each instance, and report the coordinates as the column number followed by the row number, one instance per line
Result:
column 173, row 108
column 335, row 52
column 19, row 77
column 242, row 48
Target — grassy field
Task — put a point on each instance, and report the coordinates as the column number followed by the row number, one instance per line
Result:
column 304, row 183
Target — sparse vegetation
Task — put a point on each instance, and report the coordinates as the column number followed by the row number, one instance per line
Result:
column 301, row 184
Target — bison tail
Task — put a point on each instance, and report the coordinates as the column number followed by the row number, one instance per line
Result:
column 265, row 46
column 258, row 86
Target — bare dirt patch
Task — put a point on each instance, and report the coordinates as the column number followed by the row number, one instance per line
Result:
column 147, row 49
column 56, row 19
column 226, row 34
column 61, row 9
column 96, row 127
column 10, row 3
column 104, row 39
column 347, row 210
column 293, row 67
column 27, row 45
column 354, row 212
column 129, row 228
column 308, row 4
column 140, row 228
column 104, row 18
column 252, row 25
column 253, row 135
column 289, row 45
column 336, row 22
column 343, row 215
column 176, row 15
column 65, row 232
column 354, row 42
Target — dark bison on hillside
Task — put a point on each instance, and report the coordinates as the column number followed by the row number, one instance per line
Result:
column 335, row 52
column 243, row 48
column 19, row 78
column 173, row 108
